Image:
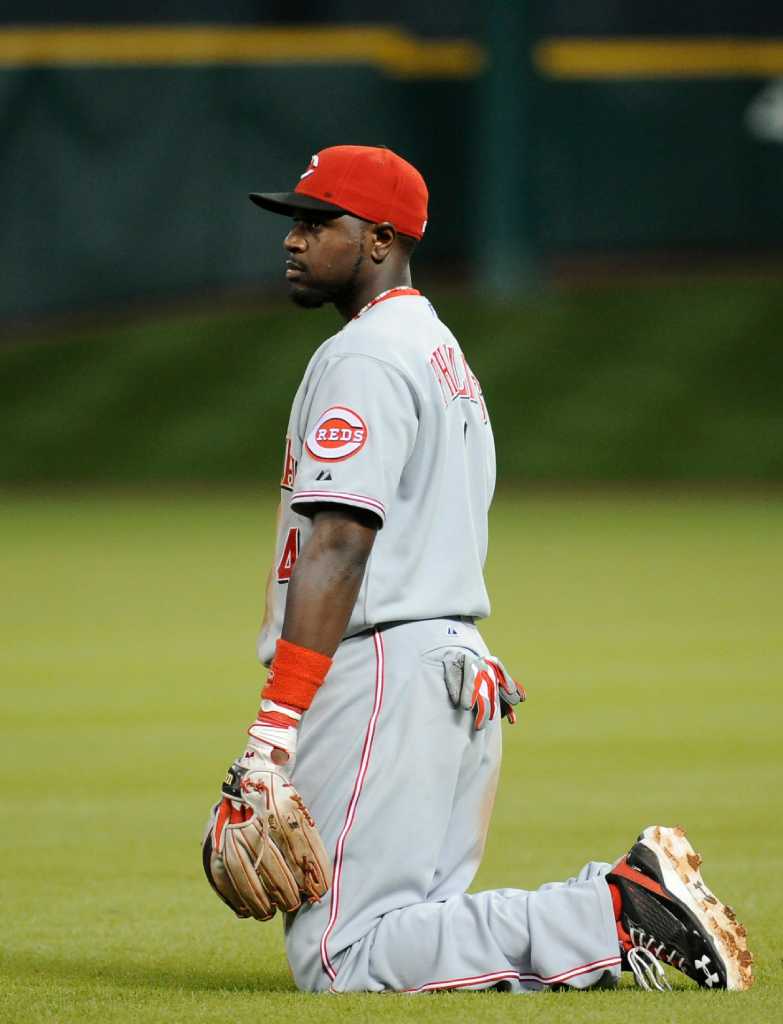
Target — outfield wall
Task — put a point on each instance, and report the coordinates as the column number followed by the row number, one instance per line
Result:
column 543, row 128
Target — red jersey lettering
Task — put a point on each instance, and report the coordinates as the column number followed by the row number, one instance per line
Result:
column 289, row 556
column 455, row 378
column 289, row 467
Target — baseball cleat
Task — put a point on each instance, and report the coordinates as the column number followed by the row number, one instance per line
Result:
column 669, row 915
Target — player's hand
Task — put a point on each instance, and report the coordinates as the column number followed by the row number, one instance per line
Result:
column 482, row 685
column 272, row 737
column 262, row 850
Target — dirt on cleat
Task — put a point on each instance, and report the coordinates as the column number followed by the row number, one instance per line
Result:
column 729, row 936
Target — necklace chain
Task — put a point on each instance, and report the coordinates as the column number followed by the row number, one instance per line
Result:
column 400, row 289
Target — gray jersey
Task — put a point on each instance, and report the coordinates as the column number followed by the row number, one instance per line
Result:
column 389, row 418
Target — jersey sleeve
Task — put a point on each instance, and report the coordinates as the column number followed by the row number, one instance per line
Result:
column 359, row 431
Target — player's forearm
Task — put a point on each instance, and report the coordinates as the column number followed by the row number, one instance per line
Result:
column 326, row 580
column 321, row 596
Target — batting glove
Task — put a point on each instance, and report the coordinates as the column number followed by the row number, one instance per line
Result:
column 482, row 685
column 272, row 737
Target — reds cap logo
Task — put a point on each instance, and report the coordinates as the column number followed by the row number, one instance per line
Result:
column 311, row 169
column 338, row 434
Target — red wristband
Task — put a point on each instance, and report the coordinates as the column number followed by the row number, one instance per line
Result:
column 295, row 675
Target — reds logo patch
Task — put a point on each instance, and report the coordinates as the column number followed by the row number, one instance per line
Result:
column 338, row 434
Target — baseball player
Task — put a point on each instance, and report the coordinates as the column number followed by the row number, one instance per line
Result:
column 361, row 800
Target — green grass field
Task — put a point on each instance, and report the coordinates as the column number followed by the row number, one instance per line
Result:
column 671, row 380
column 648, row 630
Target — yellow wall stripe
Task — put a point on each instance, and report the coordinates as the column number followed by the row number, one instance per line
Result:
column 391, row 50
column 719, row 57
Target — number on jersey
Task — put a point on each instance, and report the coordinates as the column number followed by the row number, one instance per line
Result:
column 290, row 554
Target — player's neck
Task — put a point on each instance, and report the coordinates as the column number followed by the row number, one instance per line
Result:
column 397, row 277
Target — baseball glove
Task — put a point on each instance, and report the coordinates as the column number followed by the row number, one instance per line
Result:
column 262, row 850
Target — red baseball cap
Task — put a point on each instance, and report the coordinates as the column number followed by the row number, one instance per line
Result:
column 370, row 182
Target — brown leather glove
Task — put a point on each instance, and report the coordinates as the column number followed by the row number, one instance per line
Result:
column 262, row 850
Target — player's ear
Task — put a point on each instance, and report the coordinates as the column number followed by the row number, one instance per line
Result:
column 381, row 241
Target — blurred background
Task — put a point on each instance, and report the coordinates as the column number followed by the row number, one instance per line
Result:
column 605, row 230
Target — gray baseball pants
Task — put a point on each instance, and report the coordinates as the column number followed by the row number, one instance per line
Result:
column 401, row 787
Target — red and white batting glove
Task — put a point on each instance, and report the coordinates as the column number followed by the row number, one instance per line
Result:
column 272, row 737
column 482, row 685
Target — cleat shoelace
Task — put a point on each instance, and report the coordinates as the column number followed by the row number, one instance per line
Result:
column 643, row 961
column 647, row 972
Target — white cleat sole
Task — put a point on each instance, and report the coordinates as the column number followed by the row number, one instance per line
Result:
column 680, row 864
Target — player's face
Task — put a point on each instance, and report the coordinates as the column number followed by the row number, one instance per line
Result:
column 324, row 258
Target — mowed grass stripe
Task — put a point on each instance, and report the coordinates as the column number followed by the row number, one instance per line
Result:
column 646, row 629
